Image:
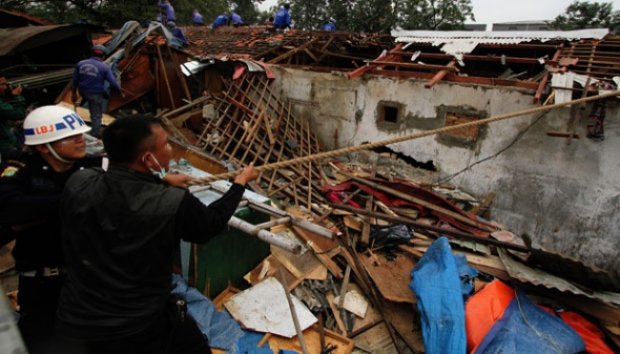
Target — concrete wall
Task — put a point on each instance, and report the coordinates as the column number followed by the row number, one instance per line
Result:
column 566, row 197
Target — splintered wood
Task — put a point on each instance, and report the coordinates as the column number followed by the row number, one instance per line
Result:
column 250, row 125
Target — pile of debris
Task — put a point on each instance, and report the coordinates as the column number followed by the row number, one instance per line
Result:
column 334, row 49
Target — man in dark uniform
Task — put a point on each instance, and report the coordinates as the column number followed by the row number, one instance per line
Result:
column 121, row 229
column 30, row 190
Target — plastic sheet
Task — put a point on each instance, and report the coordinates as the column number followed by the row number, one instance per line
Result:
column 221, row 329
column 391, row 236
column 437, row 287
column 526, row 328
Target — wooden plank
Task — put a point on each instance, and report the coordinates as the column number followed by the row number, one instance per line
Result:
column 491, row 265
column 376, row 340
column 312, row 338
column 222, row 297
column 318, row 243
column 298, row 265
column 545, row 79
column 332, row 305
column 486, row 202
column 392, row 278
column 440, row 75
column 402, row 317
column 447, row 68
column 269, row 267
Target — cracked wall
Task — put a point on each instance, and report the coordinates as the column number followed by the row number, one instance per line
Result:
column 565, row 196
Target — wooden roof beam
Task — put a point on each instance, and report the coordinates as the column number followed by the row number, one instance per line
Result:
column 440, row 75
column 545, row 79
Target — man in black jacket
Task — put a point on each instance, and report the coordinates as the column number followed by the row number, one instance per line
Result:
column 30, row 190
column 120, row 232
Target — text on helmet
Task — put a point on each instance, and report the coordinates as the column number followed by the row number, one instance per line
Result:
column 71, row 121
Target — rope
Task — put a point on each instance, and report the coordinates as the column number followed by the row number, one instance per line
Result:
column 369, row 146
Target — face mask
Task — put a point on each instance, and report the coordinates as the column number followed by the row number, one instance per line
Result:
column 162, row 171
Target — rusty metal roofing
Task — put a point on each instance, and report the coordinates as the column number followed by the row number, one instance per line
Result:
column 263, row 41
column 14, row 40
column 9, row 18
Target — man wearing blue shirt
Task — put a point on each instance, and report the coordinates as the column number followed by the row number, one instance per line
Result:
column 89, row 78
column 221, row 20
column 235, row 19
column 282, row 19
column 168, row 11
column 330, row 25
column 177, row 33
column 197, row 18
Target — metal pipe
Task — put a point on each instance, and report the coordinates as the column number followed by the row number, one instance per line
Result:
column 267, row 209
column 291, row 245
column 272, row 223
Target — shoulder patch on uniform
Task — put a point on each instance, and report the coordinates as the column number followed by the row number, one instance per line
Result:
column 9, row 171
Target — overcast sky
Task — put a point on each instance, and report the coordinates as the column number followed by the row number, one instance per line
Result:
column 492, row 11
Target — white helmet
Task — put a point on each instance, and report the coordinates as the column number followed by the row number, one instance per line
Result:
column 47, row 124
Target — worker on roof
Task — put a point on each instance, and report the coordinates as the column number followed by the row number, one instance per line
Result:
column 12, row 110
column 121, row 231
column 235, row 19
column 177, row 33
column 197, row 18
column 282, row 19
column 89, row 79
column 330, row 25
column 167, row 11
column 221, row 20
column 30, row 190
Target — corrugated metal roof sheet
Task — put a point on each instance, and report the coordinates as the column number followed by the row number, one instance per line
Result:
column 524, row 273
column 525, row 36
column 458, row 43
column 12, row 38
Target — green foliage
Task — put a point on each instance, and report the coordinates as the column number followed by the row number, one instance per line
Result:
column 351, row 15
column 372, row 16
column 583, row 14
column 309, row 14
column 434, row 14
column 247, row 10
column 113, row 13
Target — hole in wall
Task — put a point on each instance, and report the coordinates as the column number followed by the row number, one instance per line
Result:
column 389, row 114
column 428, row 165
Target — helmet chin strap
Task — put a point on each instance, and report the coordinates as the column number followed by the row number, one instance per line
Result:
column 55, row 154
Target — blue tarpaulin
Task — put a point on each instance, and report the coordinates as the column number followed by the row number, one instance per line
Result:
column 526, row 328
column 438, row 290
column 248, row 344
column 467, row 275
column 221, row 330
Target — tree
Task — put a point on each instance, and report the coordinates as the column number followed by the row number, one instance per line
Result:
column 434, row 14
column 247, row 10
column 114, row 13
column 582, row 14
column 308, row 14
column 372, row 16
